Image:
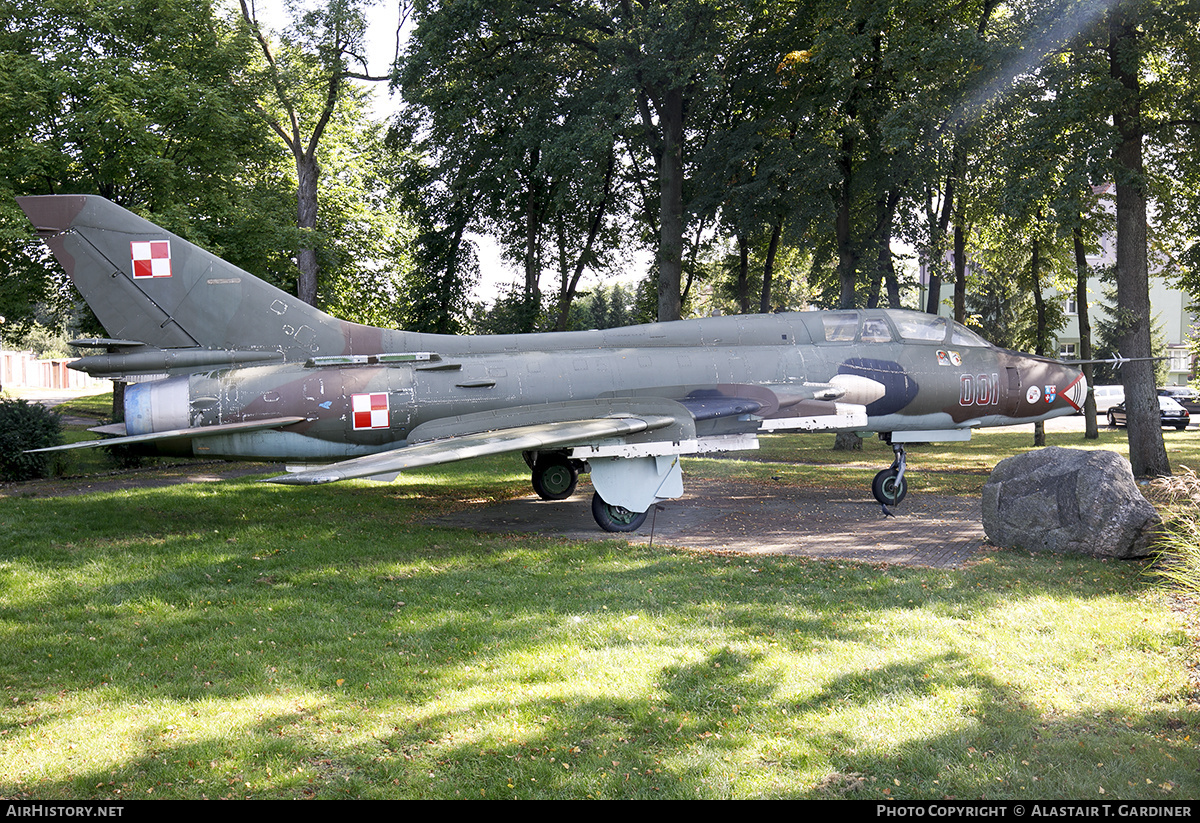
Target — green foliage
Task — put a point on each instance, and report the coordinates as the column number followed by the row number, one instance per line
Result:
column 148, row 103
column 365, row 230
column 43, row 341
column 604, row 308
column 555, row 126
column 434, row 293
column 511, row 313
column 350, row 237
column 25, row 425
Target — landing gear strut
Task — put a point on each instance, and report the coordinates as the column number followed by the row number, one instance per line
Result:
column 889, row 486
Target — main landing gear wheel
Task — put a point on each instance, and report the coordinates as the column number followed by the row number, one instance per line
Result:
column 886, row 489
column 615, row 518
column 554, row 477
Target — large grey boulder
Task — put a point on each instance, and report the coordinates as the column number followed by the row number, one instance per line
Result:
column 1068, row 500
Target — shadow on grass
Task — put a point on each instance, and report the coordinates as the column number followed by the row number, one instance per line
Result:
column 252, row 640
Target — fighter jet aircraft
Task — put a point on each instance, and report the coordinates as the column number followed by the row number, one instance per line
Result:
column 229, row 366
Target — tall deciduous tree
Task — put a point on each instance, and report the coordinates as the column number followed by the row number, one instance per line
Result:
column 644, row 70
column 884, row 85
column 145, row 103
column 308, row 72
column 519, row 135
column 1147, row 453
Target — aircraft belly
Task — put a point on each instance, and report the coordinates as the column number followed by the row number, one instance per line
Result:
column 933, row 421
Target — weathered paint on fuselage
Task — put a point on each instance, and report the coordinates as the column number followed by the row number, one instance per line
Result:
column 928, row 385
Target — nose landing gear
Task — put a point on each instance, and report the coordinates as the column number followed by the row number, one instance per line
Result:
column 889, row 486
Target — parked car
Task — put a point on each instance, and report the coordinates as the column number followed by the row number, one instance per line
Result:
column 1172, row 414
column 1185, row 396
column 1107, row 397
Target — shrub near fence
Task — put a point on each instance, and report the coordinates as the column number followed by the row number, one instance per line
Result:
column 25, row 425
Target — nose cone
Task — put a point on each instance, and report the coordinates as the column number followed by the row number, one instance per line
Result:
column 1048, row 388
column 1076, row 391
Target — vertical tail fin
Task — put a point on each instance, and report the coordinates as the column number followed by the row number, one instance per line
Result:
column 149, row 285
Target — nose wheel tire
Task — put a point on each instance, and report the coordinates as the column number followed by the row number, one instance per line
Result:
column 615, row 518
column 554, row 477
column 885, row 488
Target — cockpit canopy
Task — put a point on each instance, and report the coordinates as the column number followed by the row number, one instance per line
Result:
column 893, row 325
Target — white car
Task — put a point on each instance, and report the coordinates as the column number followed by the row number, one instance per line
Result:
column 1107, row 397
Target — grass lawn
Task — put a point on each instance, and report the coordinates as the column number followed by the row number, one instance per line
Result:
column 239, row 640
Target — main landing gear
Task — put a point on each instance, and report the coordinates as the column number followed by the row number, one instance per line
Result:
column 555, row 478
column 555, row 475
column 889, row 486
column 615, row 518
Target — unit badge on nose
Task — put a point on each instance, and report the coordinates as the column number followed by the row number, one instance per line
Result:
column 1033, row 395
column 1051, row 393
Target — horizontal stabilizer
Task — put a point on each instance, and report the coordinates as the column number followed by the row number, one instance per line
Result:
column 104, row 343
column 175, row 434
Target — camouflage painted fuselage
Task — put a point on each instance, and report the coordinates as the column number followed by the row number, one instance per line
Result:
column 925, row 385
column 231, row 366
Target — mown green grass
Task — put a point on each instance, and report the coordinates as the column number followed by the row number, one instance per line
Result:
column 92, row 405
column 239, row 639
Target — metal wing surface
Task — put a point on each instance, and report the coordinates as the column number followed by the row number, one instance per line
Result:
column 176, row 434
column 533, row 437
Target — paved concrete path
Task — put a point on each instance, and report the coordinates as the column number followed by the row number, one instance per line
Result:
column 765, row 518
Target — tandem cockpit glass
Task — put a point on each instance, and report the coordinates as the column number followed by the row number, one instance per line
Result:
column 915, row 325
column 880, row 326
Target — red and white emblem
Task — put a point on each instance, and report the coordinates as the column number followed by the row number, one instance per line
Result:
column 370, row 411
column 151, row 258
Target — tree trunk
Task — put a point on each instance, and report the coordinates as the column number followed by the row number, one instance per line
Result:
column 743, row 280
column 532, row 295
column 1039, row 428
column 1147, row 454
column 960, row 274
column 307, row 173
column 847, row 256
column 118, row 401
column 1091, row 427
column 847, row 442
column 567, row 292
column 764, row 305
column 670, row 178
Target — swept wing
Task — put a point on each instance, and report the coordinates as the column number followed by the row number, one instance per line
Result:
column 178, row 434
column 386, row 465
